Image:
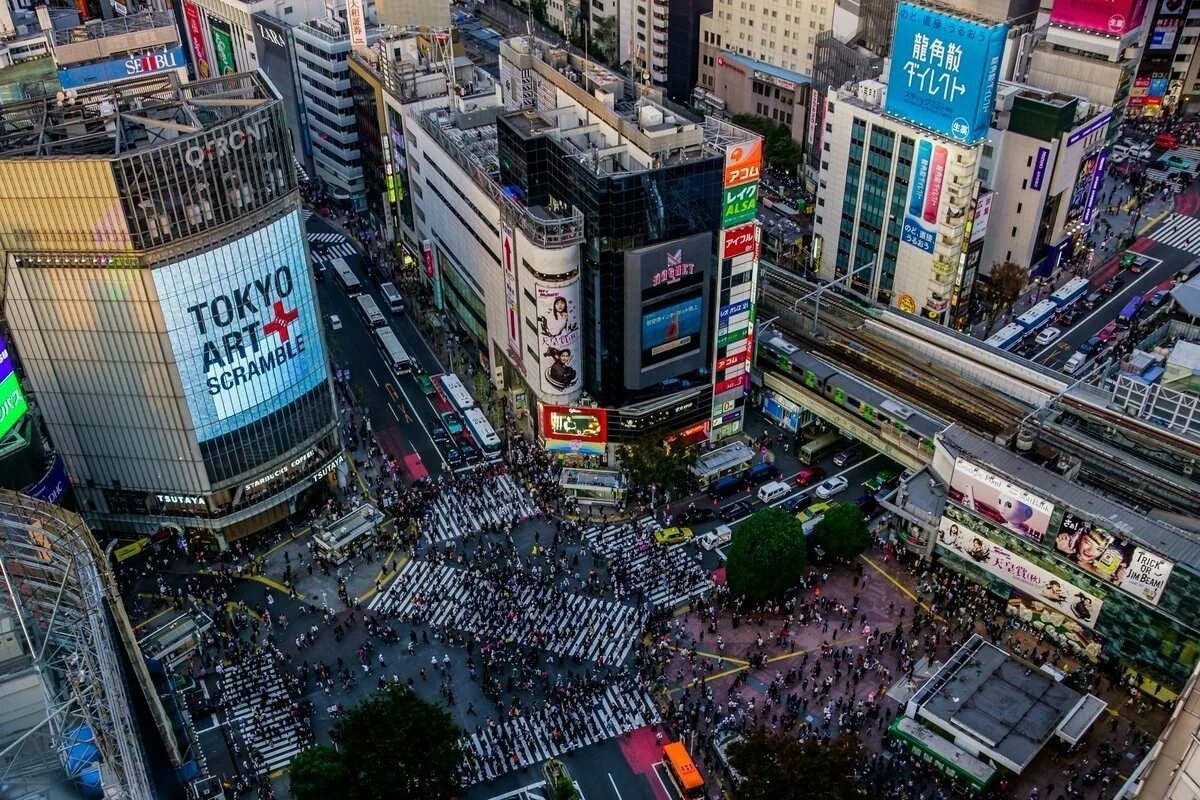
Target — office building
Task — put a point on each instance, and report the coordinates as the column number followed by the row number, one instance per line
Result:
column 322, row 47
column 570, row 226
column 734, row 84
column 776, row 33
column 160, row 299
column 660, row 40
column 222, row 36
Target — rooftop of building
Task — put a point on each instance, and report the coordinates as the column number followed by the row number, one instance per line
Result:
column 117, row 26
column 1008, row 706
column 768, row 69
column 1117, row 518
column 116, row 119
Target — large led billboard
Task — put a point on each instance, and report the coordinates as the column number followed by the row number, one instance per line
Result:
column 559, row 337
column 1112, row 558
column 1113, row 17
column 944, row 72
column 244, row 327
column 1000, row 501
column 670, row 328
column 12, row 401
column 575, row 430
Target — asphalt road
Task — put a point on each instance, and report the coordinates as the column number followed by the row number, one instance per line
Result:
column 399, row 413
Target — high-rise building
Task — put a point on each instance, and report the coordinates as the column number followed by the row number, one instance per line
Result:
column 322, row 47
column 596, row 245
column 102, row 51
column 161, row 301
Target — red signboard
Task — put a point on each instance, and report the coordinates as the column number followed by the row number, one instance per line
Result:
column 195, row 31
column 583, row 424
column 427, row 249
column 731, row 361
column 1112, row 17
column 729, row 384
column 740, row 240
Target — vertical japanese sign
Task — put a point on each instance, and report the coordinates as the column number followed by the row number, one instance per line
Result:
column 358, row 24
column 222, row 46
column 925, row 195
column 944, row 72
column 512, row 313
column 195, row 32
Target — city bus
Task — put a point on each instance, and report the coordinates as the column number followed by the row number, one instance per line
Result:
column 397, row 357
column 392, row 298
column 346, row 277
column 812, row 451
column 1129, row 312
column 482, row 433
column 369, row 310
column 455, row 393
column 682, row 771
column 1007, row 337
column 964, row 770
column 1067, row 294
column 1038, row 316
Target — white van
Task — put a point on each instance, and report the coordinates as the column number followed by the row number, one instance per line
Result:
column 775, row 490
column 720, row 537
column 391, row 296
column 1073, row 364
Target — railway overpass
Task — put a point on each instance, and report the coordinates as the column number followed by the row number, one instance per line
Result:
column 1135, row 442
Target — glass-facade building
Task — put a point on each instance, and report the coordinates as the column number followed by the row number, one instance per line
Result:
column 161, row 302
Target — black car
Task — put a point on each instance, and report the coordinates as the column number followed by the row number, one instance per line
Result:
column 847, row 456
column 438, row 433
column 867, row 504
column 794, row 505
column 453, row 457
column 694, row 516
column 1091, row 345
column 1112, row 284
column 735, row 510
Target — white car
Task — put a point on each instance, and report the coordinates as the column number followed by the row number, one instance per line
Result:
column 1141, row 151
column 720, row 537
column 1047, row 335
column 335, row 322
column 831, row 487
column 1118, row 158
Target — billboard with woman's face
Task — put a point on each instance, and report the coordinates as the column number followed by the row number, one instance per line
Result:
column 559, row 341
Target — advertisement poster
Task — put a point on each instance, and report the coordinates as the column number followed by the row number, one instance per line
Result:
column 244, row 326
column 674, row 327
column 575, row 430
column 743, row 163
column 1039, row 168
column 925, row 195
column 944, row 72
column 1113, row 17
column 1061, row 629
column 222, row 41
column 740, row 205
column 121, row 68
column 739, row 241
column 53, row 484
column 12, row 400
column 512, row 314
column 1113, row 559
column 994, row 498
column 558, row 334
column 1093, row 194
column 195, row 32
column 1063, row 597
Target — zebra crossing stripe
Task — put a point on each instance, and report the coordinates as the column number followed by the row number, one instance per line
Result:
column 1179, row 231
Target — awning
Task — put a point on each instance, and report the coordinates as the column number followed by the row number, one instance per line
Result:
column 1077, row 723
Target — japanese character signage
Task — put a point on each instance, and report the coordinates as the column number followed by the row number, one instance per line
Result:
column 740, row 205
column 944, row 72
column 1111, row 17
column 925, row 195
column 743, row 163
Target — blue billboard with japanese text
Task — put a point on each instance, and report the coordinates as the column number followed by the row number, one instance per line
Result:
column 944, row 72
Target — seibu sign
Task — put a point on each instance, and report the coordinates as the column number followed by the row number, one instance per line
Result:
column 133, row 65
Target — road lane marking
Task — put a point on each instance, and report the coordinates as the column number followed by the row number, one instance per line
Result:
column 614, row 785
column 372, row 374
column 392, row 408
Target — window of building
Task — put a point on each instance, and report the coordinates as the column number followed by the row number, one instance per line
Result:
column 1014, row 231
column 820, row 219
column 1019, row 205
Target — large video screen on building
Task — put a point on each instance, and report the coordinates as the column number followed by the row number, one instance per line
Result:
column 244, row 326
column 944, row 72
column 671, row 329
column 12, row 401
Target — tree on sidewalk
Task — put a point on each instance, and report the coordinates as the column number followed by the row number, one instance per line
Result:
column 776, row 766
column 1005, row 284
column 767, row 556
column 648, row 462
column 842, row 532
column 393, row 746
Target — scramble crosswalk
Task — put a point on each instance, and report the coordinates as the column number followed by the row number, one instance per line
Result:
column 667, row 577
column 1179, row 231
column 495, row 503
column 519, row 742
column 260, row 715
column 567, row 624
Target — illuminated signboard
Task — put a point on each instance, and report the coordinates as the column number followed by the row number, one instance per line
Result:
column 12, row 400
column 222, row 40
column 925, row 195
column 944, row 72
column 739, row 204
column 244, row 327
column 743, row 163
column 195, row 32
column 739, row 241
column 119, row 68
column 575, row 430
column 1113, row 17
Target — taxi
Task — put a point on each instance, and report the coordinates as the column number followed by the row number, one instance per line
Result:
column 669, row 536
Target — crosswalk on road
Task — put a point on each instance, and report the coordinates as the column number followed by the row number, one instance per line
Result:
column 522, row 741
column 564, row 623
column 260, row 712
column 326, row 238
column 1179, row 231
column 493, row 504
column 666, row 577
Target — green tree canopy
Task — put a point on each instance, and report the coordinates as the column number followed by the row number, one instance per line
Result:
column 780, row 150
column 648, row 462
column 776, row 766
column 767, row 556
column 393, row 746
column 317, row 773
column 1005, row 283
column 842, row 532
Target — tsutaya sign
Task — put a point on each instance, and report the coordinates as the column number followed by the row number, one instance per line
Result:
column 224, row 142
